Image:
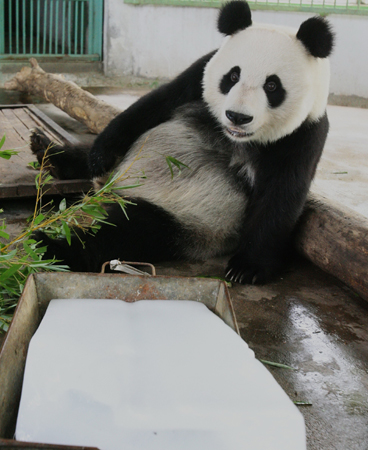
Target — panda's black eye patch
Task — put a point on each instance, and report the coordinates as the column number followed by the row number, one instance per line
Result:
column 274, row 90
column 229, row 80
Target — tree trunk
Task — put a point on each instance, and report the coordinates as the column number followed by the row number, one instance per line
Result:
column 336, row 240
column 66, row 95
column 332, row 237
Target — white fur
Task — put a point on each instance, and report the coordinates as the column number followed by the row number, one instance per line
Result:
column 201, row 197
column 260, row 51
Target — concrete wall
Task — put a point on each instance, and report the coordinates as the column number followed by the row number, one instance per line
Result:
column 161, row 41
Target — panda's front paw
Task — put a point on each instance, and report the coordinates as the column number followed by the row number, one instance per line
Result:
column 241, row 270
column 39, row 143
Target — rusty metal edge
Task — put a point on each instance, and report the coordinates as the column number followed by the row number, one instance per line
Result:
column 229, row 304
column 9, row 444
column 13, row 353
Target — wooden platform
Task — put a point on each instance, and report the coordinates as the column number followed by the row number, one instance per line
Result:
column 17, row 179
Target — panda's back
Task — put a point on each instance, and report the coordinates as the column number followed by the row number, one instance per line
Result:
column 201, row 195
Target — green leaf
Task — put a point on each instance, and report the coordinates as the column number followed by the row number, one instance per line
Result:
column 38, row 219
column 274, row 364
column 30, row 251
column 2, row 141
column 34, row 165
column 37, row 180
column 67, row 233
column 173, row 161
column 9, row 272
column 7, row 256
column 130, row 186
column 47, row 179
column 62, row 206
column 4, row 235
column 300, row 403
column 7, row 154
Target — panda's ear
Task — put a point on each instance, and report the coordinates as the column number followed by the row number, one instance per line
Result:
column 234, row 16
column 316, row 36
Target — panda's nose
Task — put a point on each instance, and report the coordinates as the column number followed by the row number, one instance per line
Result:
column 238, row 118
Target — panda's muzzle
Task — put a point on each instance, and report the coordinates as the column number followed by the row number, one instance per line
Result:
column 238, row 118
column 237, row 133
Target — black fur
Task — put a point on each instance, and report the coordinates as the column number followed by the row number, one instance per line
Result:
column 317, row 37
column 285, row 171
column 228, row 80
column 150, row 234
column 275, row 97
column 64, row 163
column 151, row 110
column 234, row 16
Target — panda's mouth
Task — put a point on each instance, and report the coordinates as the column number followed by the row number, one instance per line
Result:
column 235, row 132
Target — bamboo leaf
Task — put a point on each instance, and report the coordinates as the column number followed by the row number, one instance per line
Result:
column 47, row 179
column 37, row 181
column 62, row 206
column 9, row 272
column 274, row 364
column 7, row 154
column 38, row 219
column 34, row 165
column 29, row 251
column 178, row 164
column 4, row 235
column 67, row 233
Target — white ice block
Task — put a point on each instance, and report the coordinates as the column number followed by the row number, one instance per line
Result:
column 150, row 375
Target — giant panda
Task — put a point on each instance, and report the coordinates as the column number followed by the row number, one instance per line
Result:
column 248, row 124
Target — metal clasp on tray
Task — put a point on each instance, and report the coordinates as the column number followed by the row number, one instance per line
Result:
column 127, row 267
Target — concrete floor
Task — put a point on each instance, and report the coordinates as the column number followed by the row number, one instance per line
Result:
column 306, row 319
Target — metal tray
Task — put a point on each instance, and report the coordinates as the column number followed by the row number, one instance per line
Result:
column 41, row 288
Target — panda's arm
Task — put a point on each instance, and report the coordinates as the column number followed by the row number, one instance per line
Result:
column 149, row 111
column 287, row 169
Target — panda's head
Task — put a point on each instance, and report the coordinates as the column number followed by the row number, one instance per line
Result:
column 265, row 80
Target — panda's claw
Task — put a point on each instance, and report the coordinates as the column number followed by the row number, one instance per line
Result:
column 242, row 271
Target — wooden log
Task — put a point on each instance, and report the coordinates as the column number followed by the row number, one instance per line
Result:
column 335, row 238
column 66, row 95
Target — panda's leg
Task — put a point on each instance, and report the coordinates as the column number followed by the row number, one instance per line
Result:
column 150, row 235
column 64, row 162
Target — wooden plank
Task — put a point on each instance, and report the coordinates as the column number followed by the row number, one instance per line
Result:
column 47, row 130
column 64, row 136
column 16, row 178
column 12, row 138
column 32, row 122
column 18, row 125
column 58, row 187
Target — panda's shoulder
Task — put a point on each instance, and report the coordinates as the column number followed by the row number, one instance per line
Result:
column 305, row 136
column 197, row 115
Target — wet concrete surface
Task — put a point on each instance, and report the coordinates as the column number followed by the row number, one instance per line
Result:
column 313, row 323
column 306, row 319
